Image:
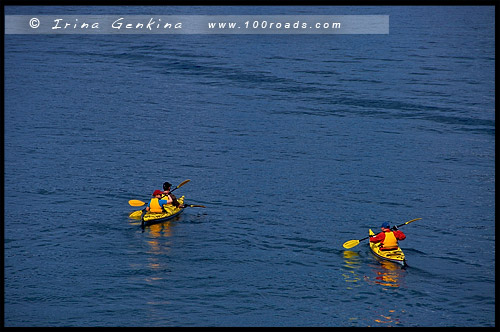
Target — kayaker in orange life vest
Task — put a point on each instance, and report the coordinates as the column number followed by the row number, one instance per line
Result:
column 156, row 203
column 388, row 237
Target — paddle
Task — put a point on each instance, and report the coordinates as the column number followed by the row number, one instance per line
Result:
column 185, row 205
column 352, row 243
column 194, row 205
column 136, row 202
column 136, row 214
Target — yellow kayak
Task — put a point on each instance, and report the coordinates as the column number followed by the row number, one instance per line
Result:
column 171, row 211
column 396, row 255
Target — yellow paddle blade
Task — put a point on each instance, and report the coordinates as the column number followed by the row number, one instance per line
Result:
column 136, row 202
column 136, row 214
column 406, row 223
column 183, row 183
column 350, row 244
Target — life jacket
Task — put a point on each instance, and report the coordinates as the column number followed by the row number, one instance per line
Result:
column 154, row 206
column 390, row 241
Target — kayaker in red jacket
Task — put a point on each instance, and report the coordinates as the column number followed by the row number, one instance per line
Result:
column 389, row 238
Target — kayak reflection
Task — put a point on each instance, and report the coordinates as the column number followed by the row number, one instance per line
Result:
column 387, row 274
column 160, row 230
column 389, row 318
column 352, row 263
column 158, row 247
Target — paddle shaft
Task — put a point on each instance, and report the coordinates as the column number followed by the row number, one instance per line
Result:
column 353, row 243
column 183, row 183
column 406, row 223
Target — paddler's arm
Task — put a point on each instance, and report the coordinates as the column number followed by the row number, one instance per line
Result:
column 171, row 199
column 399, row 235
column 377, row 238
column 163, row 202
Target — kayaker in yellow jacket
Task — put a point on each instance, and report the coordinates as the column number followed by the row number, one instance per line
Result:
column 156, row 203
column 388, row 237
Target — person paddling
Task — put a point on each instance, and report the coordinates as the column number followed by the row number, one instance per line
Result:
column 388, row 238
column 168, row 195
column 156, row 203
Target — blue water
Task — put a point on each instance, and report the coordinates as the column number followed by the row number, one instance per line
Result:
column 294, row 143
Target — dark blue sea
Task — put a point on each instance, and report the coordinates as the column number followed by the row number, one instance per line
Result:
column 294, row 143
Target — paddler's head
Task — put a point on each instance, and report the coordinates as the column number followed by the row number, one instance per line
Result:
column 385, row 226
column 157, row 193
column 166, row 186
